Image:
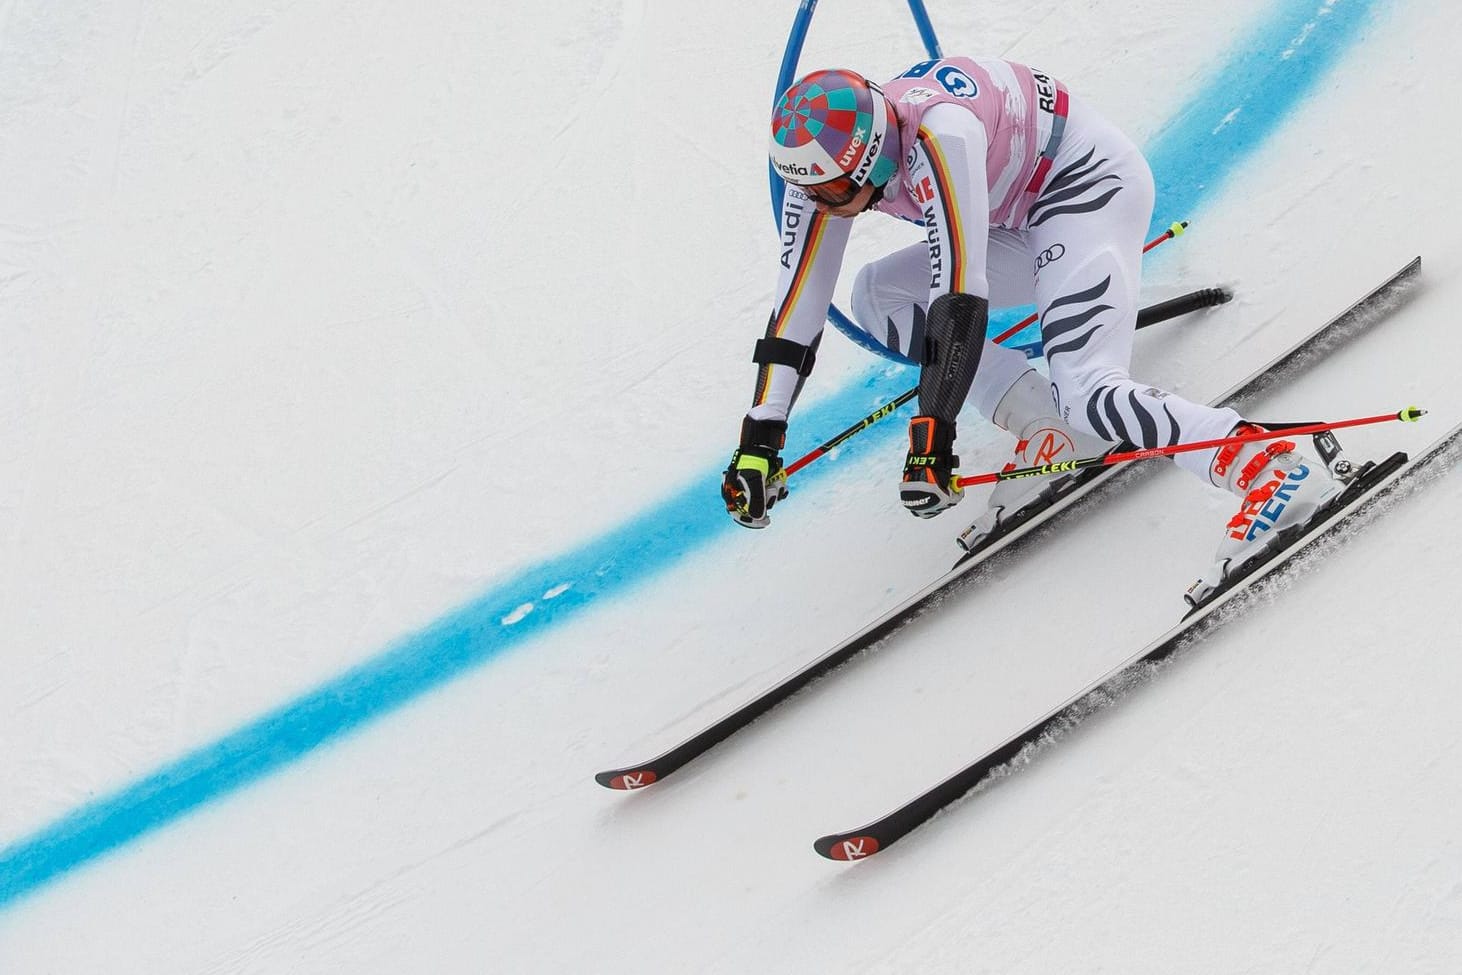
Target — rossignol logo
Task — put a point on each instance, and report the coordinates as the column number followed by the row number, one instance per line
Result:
column 856, row 849
column 630, row 781
column 1052, row 443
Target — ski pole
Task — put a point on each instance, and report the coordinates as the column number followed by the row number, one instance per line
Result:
column 858, row 427
column 1175, row 230
column 1151, row 315
column 1409, row 415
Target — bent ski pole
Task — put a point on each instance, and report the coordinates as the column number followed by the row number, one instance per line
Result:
column 1151, row 315
column 1176, row 230
column 1409, row 415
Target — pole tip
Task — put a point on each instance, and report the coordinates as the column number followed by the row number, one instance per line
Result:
column 1411, row 414
column 1177, row 228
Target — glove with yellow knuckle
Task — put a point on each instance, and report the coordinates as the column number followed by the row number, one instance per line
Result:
column 930, row 485
column 754, row 480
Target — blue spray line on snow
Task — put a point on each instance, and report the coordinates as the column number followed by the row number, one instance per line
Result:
column 1240, row 106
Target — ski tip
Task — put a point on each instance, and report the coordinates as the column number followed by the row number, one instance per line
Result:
column 846, row 847
column 1411, row 414
column 626, row 780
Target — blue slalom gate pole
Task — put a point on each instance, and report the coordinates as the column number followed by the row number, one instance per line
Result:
column 790, row 58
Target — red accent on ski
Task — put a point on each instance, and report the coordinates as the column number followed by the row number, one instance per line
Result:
column 854, row 848
column 629, row 781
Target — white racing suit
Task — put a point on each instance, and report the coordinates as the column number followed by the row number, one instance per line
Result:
column 1071, row 243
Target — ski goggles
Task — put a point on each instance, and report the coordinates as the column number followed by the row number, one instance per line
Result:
column 836, row 192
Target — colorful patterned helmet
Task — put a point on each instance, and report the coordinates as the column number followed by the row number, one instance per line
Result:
column 831, row 125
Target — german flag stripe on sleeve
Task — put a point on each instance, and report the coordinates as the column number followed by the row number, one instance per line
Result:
column 954, row 224
column 816, row 225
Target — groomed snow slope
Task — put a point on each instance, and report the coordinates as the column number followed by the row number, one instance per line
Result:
column 319, row 320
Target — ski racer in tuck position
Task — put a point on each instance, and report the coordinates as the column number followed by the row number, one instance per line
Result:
column 1026, row 194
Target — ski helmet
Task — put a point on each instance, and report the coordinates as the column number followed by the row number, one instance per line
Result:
column 835, row 130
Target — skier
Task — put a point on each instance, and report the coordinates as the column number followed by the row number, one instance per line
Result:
column 1026, row 194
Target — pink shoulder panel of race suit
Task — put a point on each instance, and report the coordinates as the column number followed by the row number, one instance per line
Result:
column 1021, row 109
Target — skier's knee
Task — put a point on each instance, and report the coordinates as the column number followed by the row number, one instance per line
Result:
column 883, row 326
column 1073, row 388
column 865, row 310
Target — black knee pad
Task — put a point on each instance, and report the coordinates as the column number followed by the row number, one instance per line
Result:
column 954, row 335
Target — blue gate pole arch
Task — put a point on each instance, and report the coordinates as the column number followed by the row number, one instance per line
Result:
column 785, row 77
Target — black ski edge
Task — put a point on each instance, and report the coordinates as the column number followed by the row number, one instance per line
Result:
column 634, row 777
column 1075, row 494
column 1369, row 476
column 1350, row 323
column 1383, row 478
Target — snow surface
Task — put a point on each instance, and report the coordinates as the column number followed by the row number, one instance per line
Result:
column 319, row 320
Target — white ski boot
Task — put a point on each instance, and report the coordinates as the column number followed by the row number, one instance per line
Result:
column 1028, row 411
column 1280, row 487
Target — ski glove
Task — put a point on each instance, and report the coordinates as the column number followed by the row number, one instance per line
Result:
column 754, row 480
column 930, row 485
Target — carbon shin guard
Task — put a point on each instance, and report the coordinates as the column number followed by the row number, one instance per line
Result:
column 954, row 334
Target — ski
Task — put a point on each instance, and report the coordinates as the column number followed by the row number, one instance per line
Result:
column 1060, row 497
column 1369, row 484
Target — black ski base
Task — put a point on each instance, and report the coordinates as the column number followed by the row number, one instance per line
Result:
column 1372, row 482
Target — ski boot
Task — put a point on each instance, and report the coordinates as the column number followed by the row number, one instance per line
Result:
column 1042, row 437
column 1281, row 489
